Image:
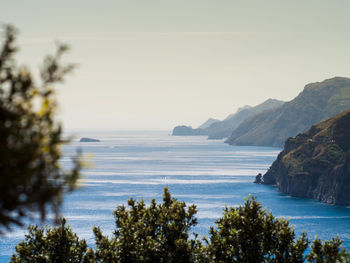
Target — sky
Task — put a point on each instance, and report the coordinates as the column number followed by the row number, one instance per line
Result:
column 155, row 64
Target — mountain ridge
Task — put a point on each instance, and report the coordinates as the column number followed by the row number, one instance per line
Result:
column 222, row 129
column 207, row 123
column 317, row 101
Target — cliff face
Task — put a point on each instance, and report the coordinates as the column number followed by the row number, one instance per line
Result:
column 316, row 164
column 317, row 102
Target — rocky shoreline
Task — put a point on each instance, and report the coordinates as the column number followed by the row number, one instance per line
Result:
column 315, row 164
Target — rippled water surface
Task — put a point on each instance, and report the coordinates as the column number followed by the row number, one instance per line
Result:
column 210, row 174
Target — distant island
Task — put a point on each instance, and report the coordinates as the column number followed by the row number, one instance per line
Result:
column 315, row 164
column 85, row 139
column 317, row 102
column 216, row 129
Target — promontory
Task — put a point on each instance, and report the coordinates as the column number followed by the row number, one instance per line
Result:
column 316, row 164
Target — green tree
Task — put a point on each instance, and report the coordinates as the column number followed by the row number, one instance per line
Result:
column 249, row 234
column 31, row 179
column 154, row 233
column 327, row 252
column 160, row 233
column 52, row 245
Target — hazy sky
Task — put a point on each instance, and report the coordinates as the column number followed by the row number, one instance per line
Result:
column 154, row 64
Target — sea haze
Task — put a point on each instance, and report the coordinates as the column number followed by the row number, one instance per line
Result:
column 210, row 174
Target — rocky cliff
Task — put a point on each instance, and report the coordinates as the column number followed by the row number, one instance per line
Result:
column 315, row 164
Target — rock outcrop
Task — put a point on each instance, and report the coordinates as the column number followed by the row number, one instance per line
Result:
column 85, row 139
column 316, row 164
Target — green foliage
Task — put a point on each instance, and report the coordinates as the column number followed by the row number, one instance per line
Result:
column 331, row 155
column 328, row 252
column 160, row 233
column 31, row 179
column 249, row 234
column 154, row 233
column 46, row 244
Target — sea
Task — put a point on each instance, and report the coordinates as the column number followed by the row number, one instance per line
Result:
column 208, row 173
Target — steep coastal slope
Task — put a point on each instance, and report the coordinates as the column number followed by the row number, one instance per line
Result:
column 222, row 129
column 316, row 164
column 206, row 124
column 317, row 102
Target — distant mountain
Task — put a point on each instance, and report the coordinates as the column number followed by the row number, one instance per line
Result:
column 239, row 109
column 317, row 102
column 316, row 164
column 222, row 129
column 207, row 123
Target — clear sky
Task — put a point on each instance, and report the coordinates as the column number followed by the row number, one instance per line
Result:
column 153, row 64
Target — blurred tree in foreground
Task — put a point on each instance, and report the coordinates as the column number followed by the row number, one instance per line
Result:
column 161, row 233
column 31, row 179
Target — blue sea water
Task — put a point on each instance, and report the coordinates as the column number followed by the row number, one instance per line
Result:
column 210, row 174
